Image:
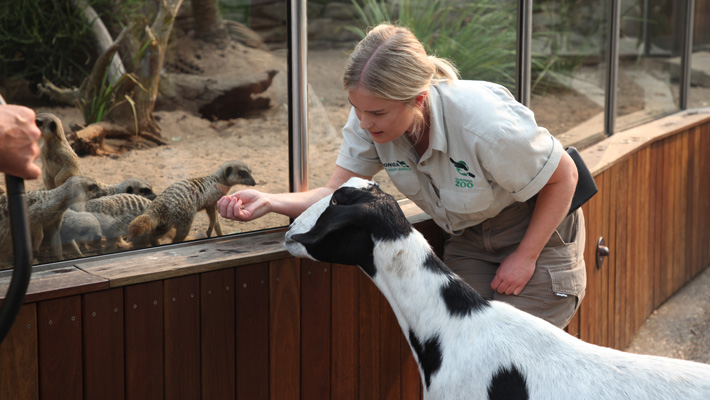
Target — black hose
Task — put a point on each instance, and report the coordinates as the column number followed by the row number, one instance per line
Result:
column 22, row 247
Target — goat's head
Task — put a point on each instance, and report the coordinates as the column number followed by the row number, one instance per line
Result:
column 342, row 228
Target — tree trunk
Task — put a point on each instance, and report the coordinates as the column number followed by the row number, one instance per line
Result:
column 148, row 72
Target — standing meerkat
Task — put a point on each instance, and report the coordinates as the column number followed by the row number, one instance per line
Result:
column 177, row 205
column 59, row 161
column 45, row 211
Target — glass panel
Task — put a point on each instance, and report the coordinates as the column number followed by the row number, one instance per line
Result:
column 700, row 64
column 478, row 36
column 569, row 69
column 651, row 37
column 199, row 90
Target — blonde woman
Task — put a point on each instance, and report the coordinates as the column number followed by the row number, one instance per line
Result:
column 473, row 158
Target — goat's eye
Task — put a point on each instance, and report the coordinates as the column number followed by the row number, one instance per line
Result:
column 333, row 201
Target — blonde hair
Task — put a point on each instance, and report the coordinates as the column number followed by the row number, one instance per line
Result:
column 391, row 63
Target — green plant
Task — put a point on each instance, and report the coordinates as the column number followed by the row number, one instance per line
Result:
column 478, row 36
column 43, row 38
column 102, row 100
column 50, row 39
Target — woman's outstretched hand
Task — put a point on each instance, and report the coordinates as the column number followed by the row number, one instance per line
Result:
column 244, row 205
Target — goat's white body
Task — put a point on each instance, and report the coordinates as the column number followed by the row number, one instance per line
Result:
column 555, row 364
column 476, row 344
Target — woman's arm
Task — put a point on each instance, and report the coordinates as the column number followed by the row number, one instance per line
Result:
column 250, row 204
column 551, row 207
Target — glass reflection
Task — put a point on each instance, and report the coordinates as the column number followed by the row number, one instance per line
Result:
column 179, row 99
column 568, row 69
column 650, row 39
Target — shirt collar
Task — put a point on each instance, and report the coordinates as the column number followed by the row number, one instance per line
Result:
column 437, row 125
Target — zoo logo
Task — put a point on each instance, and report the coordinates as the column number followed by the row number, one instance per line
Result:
column 462, row 168
column 396, row 166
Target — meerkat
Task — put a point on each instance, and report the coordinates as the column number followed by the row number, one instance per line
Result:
column 177, row 205
column 45, row 210
column 137, row 186
column 114, row 214
column 59, row 161
column 79, row 230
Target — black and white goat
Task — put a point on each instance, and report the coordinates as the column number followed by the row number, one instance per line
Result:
column 468, row 347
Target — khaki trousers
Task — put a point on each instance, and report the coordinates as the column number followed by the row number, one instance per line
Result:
column 557, row 286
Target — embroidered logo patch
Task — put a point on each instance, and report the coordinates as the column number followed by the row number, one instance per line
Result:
column 461, row 168
column 396, row 166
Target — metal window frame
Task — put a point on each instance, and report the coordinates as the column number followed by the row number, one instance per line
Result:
column 298, row 85
column 298, row 96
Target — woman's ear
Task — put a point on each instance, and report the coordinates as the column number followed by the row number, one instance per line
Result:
column 421, row 97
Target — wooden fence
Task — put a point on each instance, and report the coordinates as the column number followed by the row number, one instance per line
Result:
column 212, row 321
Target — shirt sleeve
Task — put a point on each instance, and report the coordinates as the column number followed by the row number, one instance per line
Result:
column 525, row 155
column 357, row 150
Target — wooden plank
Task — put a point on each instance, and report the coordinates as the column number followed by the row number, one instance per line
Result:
column 704, row 236
column 252, row 336
column 369, row 368
column 678, row 212
column 181, row 297
column 685, row 267
column 634, row 279
column 143, row 315
column 19, row 374
column 218, row 312
column 345, row 332
column 667, row 222
column 390, row 357
column 608, row 229
column 102, row 313
column 59, row 334
column 49, row 282
column 693, row 217
column 659, row 196
column 190, row 258
column 315, row 329
column 284, row 322
column 618, row 207
column 645, row 217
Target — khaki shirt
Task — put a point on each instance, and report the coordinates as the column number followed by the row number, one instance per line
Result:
column 485, row 153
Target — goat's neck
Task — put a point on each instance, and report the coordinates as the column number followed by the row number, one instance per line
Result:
column 411, row 288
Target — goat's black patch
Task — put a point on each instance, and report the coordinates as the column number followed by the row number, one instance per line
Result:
column 434, row 264
column 459, row 297
column 429, row 355
column 461, row 300
column 508, row 384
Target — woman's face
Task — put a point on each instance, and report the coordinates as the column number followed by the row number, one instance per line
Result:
column 385, row 120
